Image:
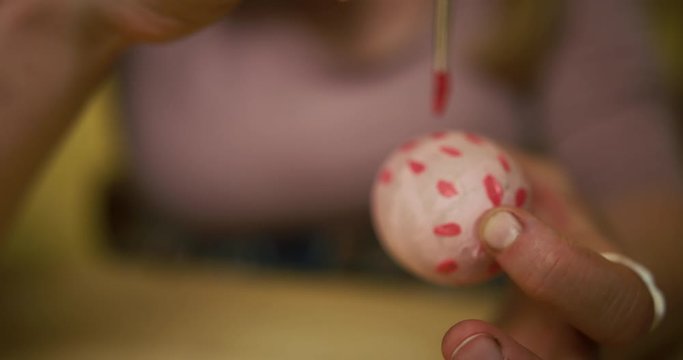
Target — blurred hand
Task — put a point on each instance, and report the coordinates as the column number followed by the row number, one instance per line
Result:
column 159, row 20
column 568, row 299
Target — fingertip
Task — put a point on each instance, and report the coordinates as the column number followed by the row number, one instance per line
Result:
column 457, row 333
column 470, row 339
column 499, row 228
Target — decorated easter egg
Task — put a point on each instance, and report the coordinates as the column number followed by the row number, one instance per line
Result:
column 428, row 197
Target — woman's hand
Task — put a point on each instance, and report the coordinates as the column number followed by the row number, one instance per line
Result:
column 568, row 299
column 160, row 20
column 54, row 53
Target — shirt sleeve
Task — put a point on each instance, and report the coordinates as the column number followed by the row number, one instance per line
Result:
column 605, row 114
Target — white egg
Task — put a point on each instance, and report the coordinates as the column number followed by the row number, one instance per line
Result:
column 428, row 197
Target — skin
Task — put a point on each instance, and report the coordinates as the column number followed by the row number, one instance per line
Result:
column 55, row 52
column 583, row 305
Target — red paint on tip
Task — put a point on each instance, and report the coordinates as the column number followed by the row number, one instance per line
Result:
column 448, row 229
column 447, row 267
column 416, row 167
column 493, row 190
column 504, row 162
column 449, row 150
column 385, row 176
column 520, row 197
column 441, row 92
column 446, row 188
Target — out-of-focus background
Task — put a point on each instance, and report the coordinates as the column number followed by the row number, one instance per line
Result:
column 67, row 291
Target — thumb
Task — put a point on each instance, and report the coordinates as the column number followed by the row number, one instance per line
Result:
column 606, row 301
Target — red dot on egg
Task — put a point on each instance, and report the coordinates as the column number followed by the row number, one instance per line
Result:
column 447, row 267
column 520, row 197
column 474, row 139
column 493, row 190
column 451, row 151
column 448, row 229
column 504, row 162
column 409, row 145
column 437, row 135
column 385, row 176
column 446, row 188
column 416, row 167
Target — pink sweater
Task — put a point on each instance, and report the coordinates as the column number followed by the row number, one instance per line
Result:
column 258, row 122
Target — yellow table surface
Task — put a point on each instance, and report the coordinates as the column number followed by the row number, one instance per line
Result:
column 134, row 311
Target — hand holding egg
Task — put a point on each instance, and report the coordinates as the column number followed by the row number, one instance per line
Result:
column 428, row 197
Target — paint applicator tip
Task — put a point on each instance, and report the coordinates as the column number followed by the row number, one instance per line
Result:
column 441, row 92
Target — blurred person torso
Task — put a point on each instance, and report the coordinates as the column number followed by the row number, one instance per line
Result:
column 284, row 111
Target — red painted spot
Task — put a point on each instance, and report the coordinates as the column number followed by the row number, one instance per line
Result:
column 446, row 188
column 448, row 229
column 447, row 267
column 416, row 166
column 504, row 162
column 474, row 139
column 408, row 145
column 385, row 176
column 493, row 190
column 449, row 150
column 437, row 135
column 520, row 197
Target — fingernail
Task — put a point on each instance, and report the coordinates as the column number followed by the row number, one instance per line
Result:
column 478, row 347
column 501, row 230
